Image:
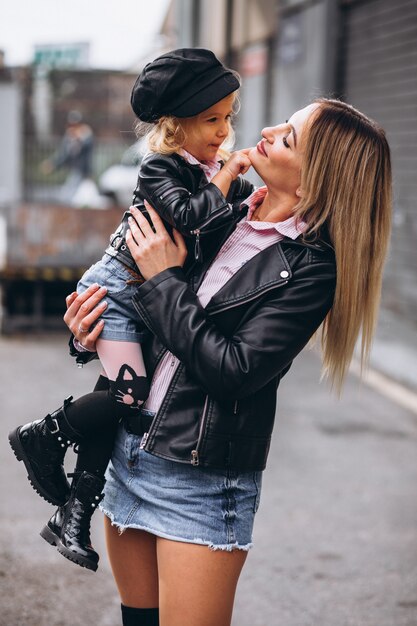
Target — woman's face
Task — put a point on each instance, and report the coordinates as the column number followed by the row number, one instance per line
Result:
column 277, row 157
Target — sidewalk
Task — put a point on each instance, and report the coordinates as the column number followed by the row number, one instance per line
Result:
column 394, row 351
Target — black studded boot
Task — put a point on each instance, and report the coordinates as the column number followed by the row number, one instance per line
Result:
column 69, row 527
column 42, row 445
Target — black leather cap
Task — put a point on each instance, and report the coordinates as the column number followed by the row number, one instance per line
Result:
column 183, row 83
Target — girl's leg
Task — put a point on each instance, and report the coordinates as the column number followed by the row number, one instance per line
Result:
column 125, row 369
column 96, row 417
column 196, row 585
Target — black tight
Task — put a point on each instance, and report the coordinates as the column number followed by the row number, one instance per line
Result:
column 96, row 417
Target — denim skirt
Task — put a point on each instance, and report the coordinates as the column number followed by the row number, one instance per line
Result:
column 122, row 322
column 179, row 501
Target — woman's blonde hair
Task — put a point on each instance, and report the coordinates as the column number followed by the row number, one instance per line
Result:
column 168, row 135
column 346, row 190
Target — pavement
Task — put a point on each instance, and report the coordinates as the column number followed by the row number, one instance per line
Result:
column 394, row 351
column 336, row 533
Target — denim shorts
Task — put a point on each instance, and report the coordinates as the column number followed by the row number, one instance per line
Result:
column 122, row 322
column 178, row 501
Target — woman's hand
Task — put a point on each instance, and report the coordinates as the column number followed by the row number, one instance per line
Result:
column 153, row 252
column 82, row 311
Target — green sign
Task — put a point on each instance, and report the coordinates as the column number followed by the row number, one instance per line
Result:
column 62, row 56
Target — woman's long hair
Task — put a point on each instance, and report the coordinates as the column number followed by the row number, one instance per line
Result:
column 346, row 187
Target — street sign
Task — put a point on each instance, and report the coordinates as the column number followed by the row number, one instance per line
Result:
column 66, row 55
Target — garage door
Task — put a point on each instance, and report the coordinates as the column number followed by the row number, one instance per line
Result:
column 379, row 68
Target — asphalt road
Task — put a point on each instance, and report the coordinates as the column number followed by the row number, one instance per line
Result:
column 336, row 533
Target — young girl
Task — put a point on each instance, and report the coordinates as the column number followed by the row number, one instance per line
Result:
column 188, row 96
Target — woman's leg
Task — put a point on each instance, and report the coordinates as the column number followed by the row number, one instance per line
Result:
column 133, row 560
column 192, row 584
column 197, row 585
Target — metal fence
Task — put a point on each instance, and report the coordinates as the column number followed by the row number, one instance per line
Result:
column 41, row 187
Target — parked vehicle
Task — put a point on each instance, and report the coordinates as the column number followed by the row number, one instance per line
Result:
column 119, row 180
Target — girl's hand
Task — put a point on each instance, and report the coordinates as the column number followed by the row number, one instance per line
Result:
column 152, row 251
column 82, row 310
column 238, row 163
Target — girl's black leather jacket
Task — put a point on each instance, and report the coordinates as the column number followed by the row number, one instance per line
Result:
column 220, row 407
column 181, row 195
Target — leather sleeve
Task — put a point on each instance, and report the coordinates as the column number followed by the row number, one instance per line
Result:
column 240, row 189
column 81, row 358
column 161, row 184
column 275, row 330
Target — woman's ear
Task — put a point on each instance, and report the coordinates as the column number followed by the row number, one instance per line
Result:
column 299, row 192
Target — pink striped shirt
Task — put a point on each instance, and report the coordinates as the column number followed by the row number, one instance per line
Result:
column 248, row 239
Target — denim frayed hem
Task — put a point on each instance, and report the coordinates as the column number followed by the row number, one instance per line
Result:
column 227, row 547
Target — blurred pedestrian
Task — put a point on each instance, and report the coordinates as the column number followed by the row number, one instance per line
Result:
column 74, row 153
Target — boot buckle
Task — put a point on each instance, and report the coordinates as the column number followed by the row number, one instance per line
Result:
column 55, row 423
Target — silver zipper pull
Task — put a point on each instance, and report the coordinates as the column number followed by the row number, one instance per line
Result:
column 235, row 407
column 194, row 458
column 197, row 245
column 143, row 442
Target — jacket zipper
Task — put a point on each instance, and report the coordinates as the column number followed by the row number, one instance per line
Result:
column 215, row 215
column 145, row 436
column 195, row 454
column 197, row 231
column 169, row 191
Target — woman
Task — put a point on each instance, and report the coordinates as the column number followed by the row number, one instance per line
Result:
column 183, row 487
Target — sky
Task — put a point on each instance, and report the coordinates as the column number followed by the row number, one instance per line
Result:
column 120, row 32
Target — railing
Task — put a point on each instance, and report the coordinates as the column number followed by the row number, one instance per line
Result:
column 41, row 187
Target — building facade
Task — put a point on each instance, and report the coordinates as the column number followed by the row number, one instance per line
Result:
column 291, row 51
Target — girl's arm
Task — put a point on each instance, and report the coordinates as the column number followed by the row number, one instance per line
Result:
column 207, row 209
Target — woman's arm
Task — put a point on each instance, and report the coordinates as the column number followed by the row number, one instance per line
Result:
column 268, row 339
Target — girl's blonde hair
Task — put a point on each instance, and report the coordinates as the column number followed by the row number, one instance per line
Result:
column 346, row 190
column 167, row 135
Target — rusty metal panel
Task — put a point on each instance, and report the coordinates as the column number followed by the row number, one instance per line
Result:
column 57, row 237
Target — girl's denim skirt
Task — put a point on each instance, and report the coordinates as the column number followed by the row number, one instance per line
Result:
column 178, row 501
column 122, row 322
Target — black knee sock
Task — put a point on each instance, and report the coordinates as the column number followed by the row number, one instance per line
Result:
column 139, row 617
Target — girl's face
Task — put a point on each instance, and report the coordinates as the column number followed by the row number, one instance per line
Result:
column 207, row 131
column 277, row 157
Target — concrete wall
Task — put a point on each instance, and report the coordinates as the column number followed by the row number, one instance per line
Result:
column 303, row 58
column 11, row 134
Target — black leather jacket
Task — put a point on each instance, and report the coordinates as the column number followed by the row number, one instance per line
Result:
column 181, row 195
column 219, row 409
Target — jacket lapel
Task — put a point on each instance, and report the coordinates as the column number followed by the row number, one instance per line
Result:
column 266, row 270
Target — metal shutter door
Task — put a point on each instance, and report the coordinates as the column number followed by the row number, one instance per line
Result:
column 379, row 65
